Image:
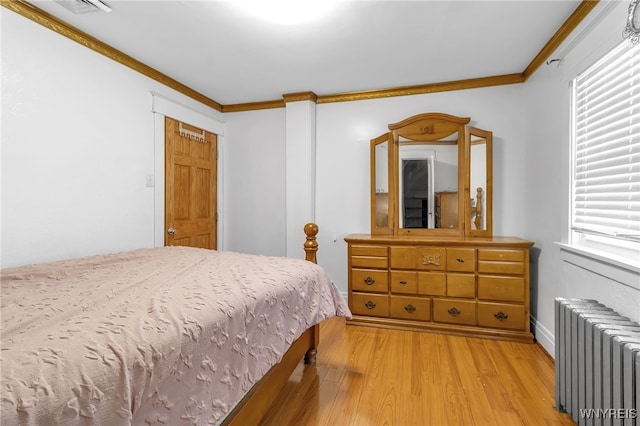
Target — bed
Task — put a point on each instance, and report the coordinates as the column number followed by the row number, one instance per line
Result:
column 162, row 336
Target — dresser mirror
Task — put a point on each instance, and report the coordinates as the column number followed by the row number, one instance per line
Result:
column 431, row 175
column 382, row 171
column 480, row 180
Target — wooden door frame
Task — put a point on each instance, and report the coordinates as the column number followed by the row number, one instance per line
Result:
column 196, row 115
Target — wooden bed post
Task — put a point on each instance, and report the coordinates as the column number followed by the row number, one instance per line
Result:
column 311, row 245
column 311, row 248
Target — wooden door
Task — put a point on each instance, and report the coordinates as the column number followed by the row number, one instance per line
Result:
column 190, row 186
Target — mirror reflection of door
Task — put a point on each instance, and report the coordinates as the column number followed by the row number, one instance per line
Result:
column 415, row 196
column 428, row 192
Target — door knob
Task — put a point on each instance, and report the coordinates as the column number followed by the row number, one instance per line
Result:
column 171, row 231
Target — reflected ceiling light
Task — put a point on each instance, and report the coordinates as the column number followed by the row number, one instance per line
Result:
column 287, row 12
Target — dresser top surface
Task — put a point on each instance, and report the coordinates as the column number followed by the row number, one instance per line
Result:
column 437, row 240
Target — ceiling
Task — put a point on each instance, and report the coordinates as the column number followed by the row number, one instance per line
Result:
column 233, row 57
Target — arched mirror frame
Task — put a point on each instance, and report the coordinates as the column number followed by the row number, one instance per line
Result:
column 433, row 127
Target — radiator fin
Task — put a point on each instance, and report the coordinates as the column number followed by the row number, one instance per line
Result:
column 597, row 358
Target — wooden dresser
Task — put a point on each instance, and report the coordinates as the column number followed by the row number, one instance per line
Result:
column 467, row 286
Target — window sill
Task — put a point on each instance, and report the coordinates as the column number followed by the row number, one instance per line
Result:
column 616, row 269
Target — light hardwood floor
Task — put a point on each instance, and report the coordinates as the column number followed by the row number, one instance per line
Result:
column 373, row 376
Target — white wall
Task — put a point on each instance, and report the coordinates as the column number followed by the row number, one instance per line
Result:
column 254, row 176
column 556, row 272
column 300, row 164
column 77, row 147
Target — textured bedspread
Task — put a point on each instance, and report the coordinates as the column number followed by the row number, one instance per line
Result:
column 165, row 336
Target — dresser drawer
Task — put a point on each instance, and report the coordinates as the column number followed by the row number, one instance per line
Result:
column 403, row 257
column 376, row 305
column 369, row 280
column 404, row 282
column 365, row 256
column 416, row 308
column 432, row 283
column 510, row 289
column 461, row 285
column 454, row 311
column 461, row 259
column 495, row 267
column 507, row 255
column 375, row 251
column 500, row 315
column 369, row 262
column 432, row 258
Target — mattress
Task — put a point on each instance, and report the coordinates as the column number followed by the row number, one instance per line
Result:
column 162, row 336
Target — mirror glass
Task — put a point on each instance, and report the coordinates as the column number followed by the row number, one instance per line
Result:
column 478, row 182
column 381, row 174
column 428, row 183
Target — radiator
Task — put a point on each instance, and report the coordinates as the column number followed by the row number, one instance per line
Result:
column 597, row 357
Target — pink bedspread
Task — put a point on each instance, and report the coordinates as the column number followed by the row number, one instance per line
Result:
column 167, row 336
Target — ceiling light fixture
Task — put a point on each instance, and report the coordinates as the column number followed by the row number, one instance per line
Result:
column 287, row 12
column 84, row 6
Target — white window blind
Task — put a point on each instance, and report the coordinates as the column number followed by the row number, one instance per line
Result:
column 606, row 169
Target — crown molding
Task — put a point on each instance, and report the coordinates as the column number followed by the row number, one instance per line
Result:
column 253, row 106
column 446, row 86
column 382, row 93
column 277, row 103
column 300, row 96
column 51, row 22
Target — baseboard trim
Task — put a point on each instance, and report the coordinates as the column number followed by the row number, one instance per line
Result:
column 544, row 337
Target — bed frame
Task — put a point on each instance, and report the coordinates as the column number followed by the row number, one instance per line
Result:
column 252, row 408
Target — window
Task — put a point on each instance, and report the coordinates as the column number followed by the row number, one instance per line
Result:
column 605, row 208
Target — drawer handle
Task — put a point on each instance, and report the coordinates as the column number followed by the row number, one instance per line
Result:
column 501, row 316
column 459, row 259
column 370, row 305
column 369, row 281
column 410, row 308
column 454, row 312
column 403, row 282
